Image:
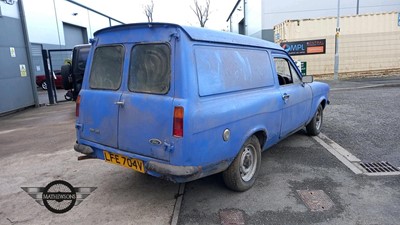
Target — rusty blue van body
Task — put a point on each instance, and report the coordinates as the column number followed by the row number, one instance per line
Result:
column 182, row 103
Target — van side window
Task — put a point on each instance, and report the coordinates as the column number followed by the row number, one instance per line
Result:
column 150, row 69
column 285, row 72
column 295, row 75
column 223, row 70
column 106, row 71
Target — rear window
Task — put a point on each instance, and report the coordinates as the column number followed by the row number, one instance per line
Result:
column 222, row 70
column 106, row 72
column 150, row 69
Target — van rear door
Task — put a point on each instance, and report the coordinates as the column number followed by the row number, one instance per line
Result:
column 145, row 120
column 99, row 104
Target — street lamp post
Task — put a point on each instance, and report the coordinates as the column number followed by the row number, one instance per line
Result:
column 336, row 66
column 358, row 7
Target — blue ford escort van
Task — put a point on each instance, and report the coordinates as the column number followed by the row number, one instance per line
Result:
column 181, row 103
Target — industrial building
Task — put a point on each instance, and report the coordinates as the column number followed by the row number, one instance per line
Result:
column 27, row 27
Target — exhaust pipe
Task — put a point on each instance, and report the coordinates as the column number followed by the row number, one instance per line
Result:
column 83, row 157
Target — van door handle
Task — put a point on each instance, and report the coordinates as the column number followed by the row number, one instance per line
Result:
column 285, row 96
column 120, row 103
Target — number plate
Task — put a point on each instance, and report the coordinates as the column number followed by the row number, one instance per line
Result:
column 121, row 160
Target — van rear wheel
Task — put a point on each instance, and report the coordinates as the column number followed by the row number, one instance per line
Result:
column 242, row 173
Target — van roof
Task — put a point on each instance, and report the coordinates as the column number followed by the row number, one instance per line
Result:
column 200, row 34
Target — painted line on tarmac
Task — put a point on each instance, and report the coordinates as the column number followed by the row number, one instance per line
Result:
column 350, row 157
column 339, row 152
column 178, row 203
column 13, row 130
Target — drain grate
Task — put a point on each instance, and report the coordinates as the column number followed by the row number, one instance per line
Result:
column 379, row 167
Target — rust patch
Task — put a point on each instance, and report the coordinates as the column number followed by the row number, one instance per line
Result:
column 231, row 217
column 316, row 200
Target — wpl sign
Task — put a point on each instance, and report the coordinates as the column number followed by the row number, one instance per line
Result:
column 305, row 47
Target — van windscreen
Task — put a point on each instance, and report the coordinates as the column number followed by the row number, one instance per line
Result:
column 106, row 72
column 150, row 68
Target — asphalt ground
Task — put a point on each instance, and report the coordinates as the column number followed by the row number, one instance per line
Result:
column 364, row 118
column 298, row 163
column 43, row 96
column 36, row 148
column 366, row 122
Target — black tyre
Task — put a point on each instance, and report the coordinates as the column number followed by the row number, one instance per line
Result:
column 242, row 173
column 314, row 127
column 43, row 85
column 66, row 77
column 68, row 96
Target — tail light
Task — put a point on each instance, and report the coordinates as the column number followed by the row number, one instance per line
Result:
column 78, row 103
column 178, row 122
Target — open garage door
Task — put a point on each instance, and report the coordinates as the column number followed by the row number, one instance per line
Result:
column 74, row 35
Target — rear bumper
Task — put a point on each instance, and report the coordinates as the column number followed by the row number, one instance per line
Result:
column 152, row 167
column 172, row 170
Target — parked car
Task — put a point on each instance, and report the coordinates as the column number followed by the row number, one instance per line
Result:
column 181, row 103
column 41, row 80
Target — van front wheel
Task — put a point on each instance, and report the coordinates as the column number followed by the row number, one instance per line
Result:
column 314, row 127
column 242, row 173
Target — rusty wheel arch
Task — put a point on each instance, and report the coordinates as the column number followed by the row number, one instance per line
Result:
column 262, row 137
column 323, row 103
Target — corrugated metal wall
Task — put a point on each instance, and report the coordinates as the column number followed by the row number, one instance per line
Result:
column 368, row 44
column 15, row 79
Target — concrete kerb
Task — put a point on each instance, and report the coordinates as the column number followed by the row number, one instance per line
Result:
column 366, row 86
column 356, row 84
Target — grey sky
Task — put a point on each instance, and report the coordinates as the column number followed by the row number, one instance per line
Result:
column 174, row 11
column 179, row 11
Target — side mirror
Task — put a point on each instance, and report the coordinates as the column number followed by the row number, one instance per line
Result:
column 307, row 79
